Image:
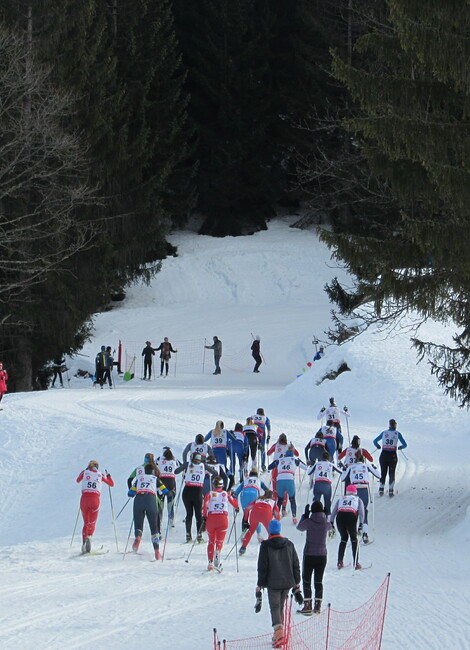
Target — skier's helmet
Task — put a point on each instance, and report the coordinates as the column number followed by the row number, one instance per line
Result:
column 351, row 489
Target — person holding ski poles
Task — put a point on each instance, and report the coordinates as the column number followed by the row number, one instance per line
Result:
column 349, row 455
column 286, row 480
column 315, row 449
column 348, row 510
column 218, row 441
column 197, row 447
column 261, row 420
column 195, row 471
column 91, row 480
column 388, row 457
column 143, row 486
column 251, row 431
column 238, row 448
column 167, row 465
column 322, row 473
column 315, row 522
column 260, row 511
column 332, row 438
column 278, row 450
column 215, row 520
column 249, row 490
column 358, row 474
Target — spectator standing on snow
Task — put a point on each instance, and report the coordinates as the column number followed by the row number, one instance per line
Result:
column 57, row 368
column 315, row 522
column 148, row 352
column 319, row 354
column 3, row 381
column 389, row 457
column 217, row 347
column 165, row 348
column 256, row 353
column 100, row 365
column 108, row 366
column 278, row 571
column 91, row 480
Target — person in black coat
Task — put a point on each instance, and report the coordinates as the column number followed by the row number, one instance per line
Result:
column 278, row 571
column 57, row 365
column 148, row 352
column 256, row 354
column 165, row 348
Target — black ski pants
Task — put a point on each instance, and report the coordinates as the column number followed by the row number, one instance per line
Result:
column 145, row 505
column 253, row 444
column 147, row 367
column 192, row 499
column 346, row 523
column 388, row 464
column 313, row 564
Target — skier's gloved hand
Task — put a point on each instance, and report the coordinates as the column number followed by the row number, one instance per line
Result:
column 245, row 524
column 332, row 532
column 203, row 525
column 299, row 599
column 400, row 447
column 131, row 492
column 322, row 409
column 237, row 510
column 345, row 408
column 307, row 511
column 374, row 466
column 268, row 439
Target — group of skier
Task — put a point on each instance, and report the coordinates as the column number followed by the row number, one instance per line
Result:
column 213, row 464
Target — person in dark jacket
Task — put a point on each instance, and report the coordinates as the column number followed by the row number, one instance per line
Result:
column 148, row 352
column 278, row 571
column 314, row 560
column 256, row 354
column 165, row 349
column 57, row 366
column 217, row 347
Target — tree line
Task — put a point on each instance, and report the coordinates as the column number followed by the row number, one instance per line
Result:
column 120, row 119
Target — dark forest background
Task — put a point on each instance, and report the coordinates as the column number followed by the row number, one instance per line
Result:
column 119, row 119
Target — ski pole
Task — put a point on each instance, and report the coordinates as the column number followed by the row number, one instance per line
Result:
column 128, row 538
column 230, row 532
column 75, row 527
column 337, row 483
column 404, row 455
column 112, row 514
column 170, row 517
column 176, row 361
column 193, row 544
column 178, row 497
column 235, row 533
column 123, row 507
column 237, row 541
column 347, row 424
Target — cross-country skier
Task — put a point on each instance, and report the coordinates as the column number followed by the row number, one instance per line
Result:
column 197, row 447
column 332, row 437
column 91, row 480
column 253, row 434
column 349, row 455
column 347, row 510
column 249, row 490
column 215, row 519
column 220, row 470
column 264, row 433
column 322, row 474
column 388, row 457
column 315, row 448
column 285, row 484
column 167, row 465
column 238, row 448
column 165, row 348
column 260, row 511
column 148, row 352
column 143, row 485
column 315, row 522
column 278, row 450
column 332, row 412
column 195, row 472
column 358, row 474
column 218, row 441
column 3, row 381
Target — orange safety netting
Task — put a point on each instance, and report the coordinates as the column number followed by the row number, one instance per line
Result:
column 360, row 629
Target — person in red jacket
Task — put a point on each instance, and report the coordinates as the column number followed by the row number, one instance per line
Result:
column 261, row 511
column 91, row 480
column 3, row 381
column 215, row 519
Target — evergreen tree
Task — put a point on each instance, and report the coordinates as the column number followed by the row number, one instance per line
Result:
column 412, row 89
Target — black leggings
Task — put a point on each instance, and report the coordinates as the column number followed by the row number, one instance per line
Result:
column 253, row 442
column 192, row 499
column 388, row 463
column 313, row 564
column 347, row 528
column 145, row 505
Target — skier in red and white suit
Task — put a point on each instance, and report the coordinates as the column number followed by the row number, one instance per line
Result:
column 91, row 480
column 215, row 513
column 260, row 511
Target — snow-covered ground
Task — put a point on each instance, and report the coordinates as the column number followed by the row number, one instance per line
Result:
column 271, row 285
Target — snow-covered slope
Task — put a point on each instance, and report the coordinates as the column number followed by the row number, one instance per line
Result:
column 270, row 284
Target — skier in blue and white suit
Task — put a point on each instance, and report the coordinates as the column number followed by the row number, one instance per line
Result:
column 218, row 437
column 238, row 448
column 389, row 457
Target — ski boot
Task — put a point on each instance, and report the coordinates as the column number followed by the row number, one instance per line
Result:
column 340, row 565
column 390, row 493
column 294, row 520
column 189, row 538
column 358, row 566
column 307, row 608
column 381, row 492
column 158, row 555
column 365, row 538
column 136, row 544
column 283, row 512
column 210, row 566
column 88, row 544
column 217, row 559
column 278, row 636
column 242, row 550
column 317, row 606
column 200, row 539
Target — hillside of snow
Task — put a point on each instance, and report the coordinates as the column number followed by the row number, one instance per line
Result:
column 269, row 284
